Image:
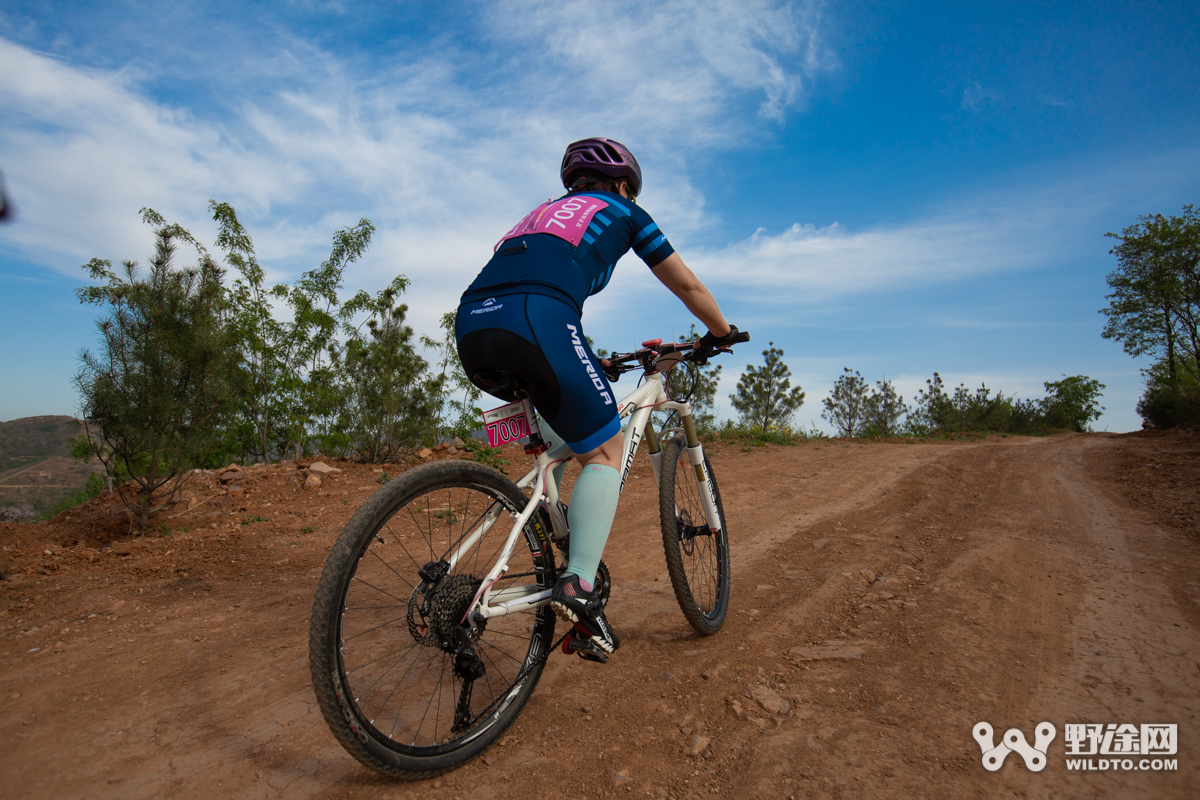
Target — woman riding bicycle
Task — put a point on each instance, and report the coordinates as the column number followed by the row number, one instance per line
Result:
column 520, row 318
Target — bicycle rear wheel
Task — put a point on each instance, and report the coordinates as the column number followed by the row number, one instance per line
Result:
column 697, row 558
column 404, row 685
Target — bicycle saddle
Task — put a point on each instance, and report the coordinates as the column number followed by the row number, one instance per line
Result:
column 502, row 383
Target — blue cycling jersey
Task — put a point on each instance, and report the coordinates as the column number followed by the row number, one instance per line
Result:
column 567, row 248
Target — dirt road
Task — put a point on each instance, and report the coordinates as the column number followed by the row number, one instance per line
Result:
column 1013, row 582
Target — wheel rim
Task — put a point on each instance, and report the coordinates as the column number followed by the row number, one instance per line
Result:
column 396, row 632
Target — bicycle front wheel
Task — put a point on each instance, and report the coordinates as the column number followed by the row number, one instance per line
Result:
column 697, row 558
column 407, row 687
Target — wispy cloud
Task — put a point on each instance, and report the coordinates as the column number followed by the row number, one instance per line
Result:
column 976, row 95
column 441, row 146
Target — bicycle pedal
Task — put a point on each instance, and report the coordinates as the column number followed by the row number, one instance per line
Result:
column 585, row 648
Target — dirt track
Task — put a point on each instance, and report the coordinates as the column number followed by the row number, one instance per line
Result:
column 1009, row 581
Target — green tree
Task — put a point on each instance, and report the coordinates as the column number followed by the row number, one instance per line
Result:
column 387, row 398
column 1155, row 304
column 885, row 409
column 287, row 389
column 764, row 397
column 1075, row 400
column 846, row 407
column 151, row 391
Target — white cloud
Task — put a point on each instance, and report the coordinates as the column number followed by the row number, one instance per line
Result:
column 441, row 147
column 429, row 145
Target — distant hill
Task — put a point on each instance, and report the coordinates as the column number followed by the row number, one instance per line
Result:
column 35, row 462
column 29, row 439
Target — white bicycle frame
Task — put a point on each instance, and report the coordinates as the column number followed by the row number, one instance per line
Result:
column 637, row 406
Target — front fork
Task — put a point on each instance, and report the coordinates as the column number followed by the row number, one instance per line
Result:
column 695, row 453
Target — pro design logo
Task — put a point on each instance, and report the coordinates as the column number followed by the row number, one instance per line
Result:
column 1014, row 741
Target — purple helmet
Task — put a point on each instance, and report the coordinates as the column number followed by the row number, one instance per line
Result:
column 606, row 156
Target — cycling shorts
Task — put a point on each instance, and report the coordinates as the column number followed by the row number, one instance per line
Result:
column 539, row 339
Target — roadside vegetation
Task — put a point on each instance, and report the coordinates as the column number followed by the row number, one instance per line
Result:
column 1154, row 310
column 202, row 364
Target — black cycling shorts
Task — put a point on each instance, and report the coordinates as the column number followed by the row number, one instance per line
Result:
column 540, row 340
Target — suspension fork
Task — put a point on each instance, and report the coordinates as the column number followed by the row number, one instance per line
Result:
column 695, row 451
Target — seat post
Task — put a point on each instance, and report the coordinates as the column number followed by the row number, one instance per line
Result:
column 536, row 444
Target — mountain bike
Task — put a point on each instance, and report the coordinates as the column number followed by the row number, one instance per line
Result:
column 431, row 623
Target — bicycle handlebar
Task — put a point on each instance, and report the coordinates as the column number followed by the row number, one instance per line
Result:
column 646, row 357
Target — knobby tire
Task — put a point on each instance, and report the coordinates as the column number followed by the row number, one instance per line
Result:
column 383, row 665
column 697, row 559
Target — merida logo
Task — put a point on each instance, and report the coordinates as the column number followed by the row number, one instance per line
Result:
column 587, row 363
column 488, row 305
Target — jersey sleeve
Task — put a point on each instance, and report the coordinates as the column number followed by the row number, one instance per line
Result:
column 649, row 243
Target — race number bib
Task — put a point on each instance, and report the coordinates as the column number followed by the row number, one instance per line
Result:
column 567, row 218
column 508, row 423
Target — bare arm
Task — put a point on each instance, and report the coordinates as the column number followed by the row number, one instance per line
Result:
column 684, row 284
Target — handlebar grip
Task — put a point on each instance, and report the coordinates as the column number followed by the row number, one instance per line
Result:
column 742, row 336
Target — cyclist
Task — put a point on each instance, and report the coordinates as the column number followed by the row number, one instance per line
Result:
column 521, row 316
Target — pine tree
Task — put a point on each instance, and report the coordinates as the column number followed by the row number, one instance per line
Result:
column 158, row 381
column 846, row 406
column 885, row 409
column 764, row 397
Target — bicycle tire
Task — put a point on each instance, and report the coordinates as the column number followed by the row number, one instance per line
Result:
column 380, row 631
column 697, row 560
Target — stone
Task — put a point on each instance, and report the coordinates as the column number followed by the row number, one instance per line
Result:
column 669, row 678
column 321, row 468
column 697, row 744
column 425, row 452
column 825, row 652
column 819, row 543
column 224, row 501
column 536, row 762
column 312, row 482
column 236, row 491
column 457, row 442
column 769, row 701
column 451, row 450
column 759, row 723
column 618, row 778
column 737, row 709
column 867, row 575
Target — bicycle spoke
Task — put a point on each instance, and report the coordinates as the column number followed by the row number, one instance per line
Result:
column 368, row 630
column 381, row 658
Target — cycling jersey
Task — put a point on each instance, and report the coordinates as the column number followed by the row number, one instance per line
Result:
column 521, row 314
column 567, row 248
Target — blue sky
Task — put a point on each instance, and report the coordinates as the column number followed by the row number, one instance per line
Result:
column 897, row 188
